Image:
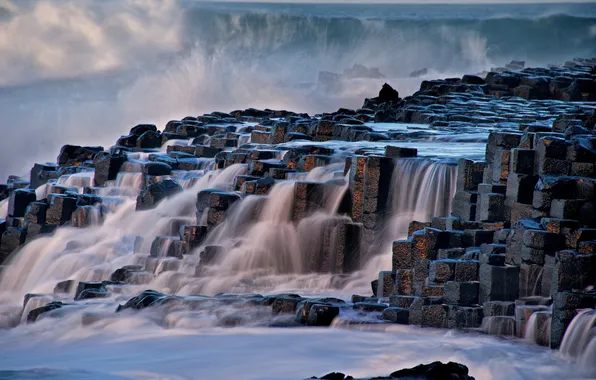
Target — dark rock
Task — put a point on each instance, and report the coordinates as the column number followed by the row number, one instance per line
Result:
column 35, row 313
column 368, row 306
column 19, row 201
column 167, row 246
column 149, row 140
column 396, row 315
column 210, row 255
column 153, row 193
column 156, row 169
column 87, row 290
column 398, row 152
column 140, row 129
column 461, row 293
column 145, row 299
column 125, row 274
column 436, row 370
column 60, row 210
column 283, row 303
column 40, row 173
column 193, row 236
column 74, row 155
column 388, row 94
column 498, row 283
column 83, row 216
column 107, row 168
column 322, row 314
column 36, row 213
column 432, row 371
column 212, row 205
column 65, row 286
column 12, row 239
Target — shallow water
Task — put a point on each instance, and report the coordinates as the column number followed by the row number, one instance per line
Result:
column 133, row 350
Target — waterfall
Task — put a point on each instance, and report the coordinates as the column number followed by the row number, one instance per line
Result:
column 3, row 208
column 421, row 189
column 78, row 180
column 264, row 247
column 39, row 265
column 579, row 341
column 498, row 325
column 537, row 328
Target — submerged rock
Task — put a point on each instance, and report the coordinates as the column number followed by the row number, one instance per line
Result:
column 146, row 299
column 36, row 313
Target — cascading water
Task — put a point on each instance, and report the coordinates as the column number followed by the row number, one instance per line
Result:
column 420, row 190
column 45, row 261
column 3, row 208
column 264, row 247
column 91, row 67
column 579, row 341
column 77, row 180
column 538, row 327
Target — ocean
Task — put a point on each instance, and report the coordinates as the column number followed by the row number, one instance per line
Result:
column 81, row 71
column 85, row 72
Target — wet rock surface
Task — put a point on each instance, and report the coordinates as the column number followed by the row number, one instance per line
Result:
column 508, row 249
column 432, row 371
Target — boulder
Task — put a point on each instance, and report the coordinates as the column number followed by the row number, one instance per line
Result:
column 388, row 94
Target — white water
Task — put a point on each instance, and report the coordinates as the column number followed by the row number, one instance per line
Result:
column 91, row 69
column 265, row 250
column 134, row 348
column 265, row 253
column 579, row 342
column 421, row 189
column 3, row 208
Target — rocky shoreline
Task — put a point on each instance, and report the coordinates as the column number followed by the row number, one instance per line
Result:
column 516, row 256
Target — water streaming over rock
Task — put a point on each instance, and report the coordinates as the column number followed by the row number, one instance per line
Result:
column 538, row 327
column 3, row 208
column 77, row 180
column 498, row 325
column 421, row 189
column 579, row 342
column 45, row 261
column 264, row 246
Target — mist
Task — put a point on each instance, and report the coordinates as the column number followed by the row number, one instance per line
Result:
column 85, row 72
